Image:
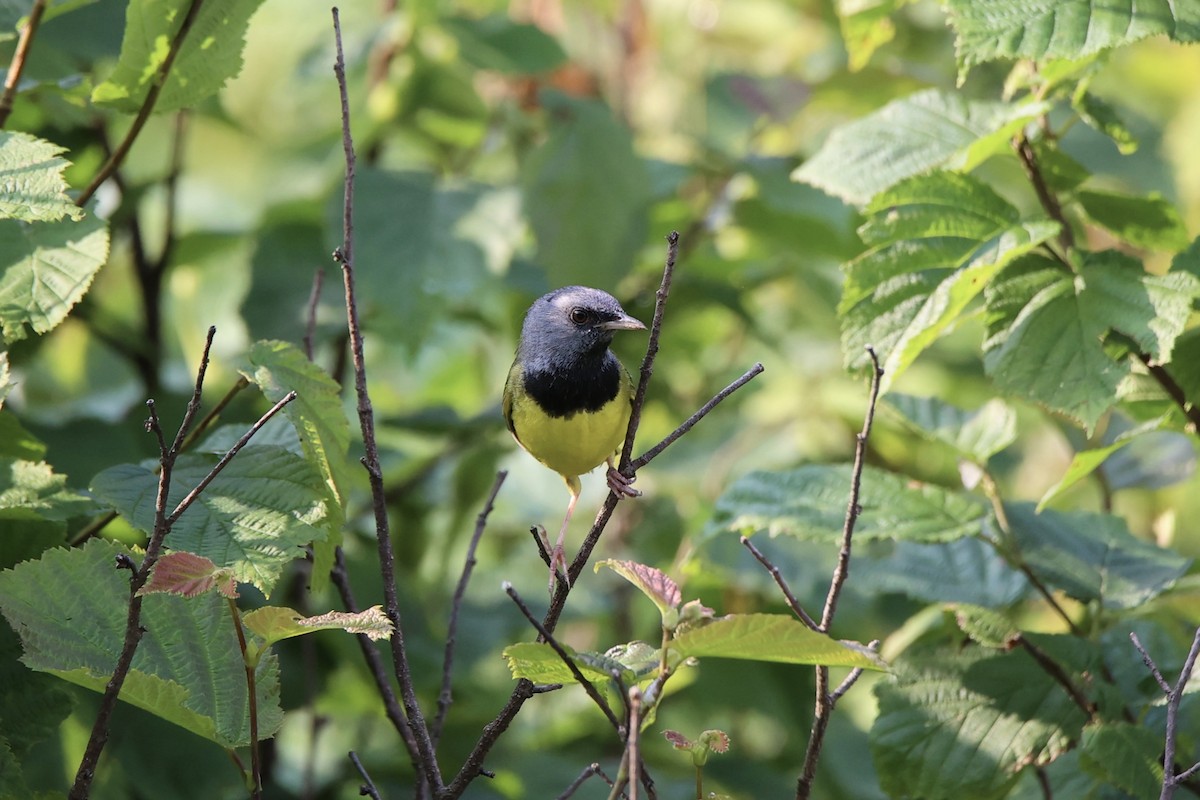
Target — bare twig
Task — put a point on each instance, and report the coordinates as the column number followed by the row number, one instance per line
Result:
column 368, row 788
column 792, row 602
column 825, row 701
column 1171, row 778
column 310, row 326
column 252, row 699
column 156, row 87
column 850, row 679
column 1046, row 197
column 548, row 637
column 1055, row 671
column 588, row 771
column 445, row 698
column 1178, row 396
column 20, row 56
column 426, row 764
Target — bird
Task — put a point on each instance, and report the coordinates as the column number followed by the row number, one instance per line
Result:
column 567, row 399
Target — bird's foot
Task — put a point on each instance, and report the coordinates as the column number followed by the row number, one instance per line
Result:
column 558, row 557
column 621, row 485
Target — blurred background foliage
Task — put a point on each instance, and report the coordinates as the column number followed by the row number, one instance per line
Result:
column 507, row 148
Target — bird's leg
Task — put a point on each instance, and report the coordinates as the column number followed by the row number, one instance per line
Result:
column 621, row 485
column 558, row 556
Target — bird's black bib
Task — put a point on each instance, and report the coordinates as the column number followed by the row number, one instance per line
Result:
column 582, row 386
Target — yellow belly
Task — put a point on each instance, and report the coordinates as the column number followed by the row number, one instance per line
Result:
column 572, row 445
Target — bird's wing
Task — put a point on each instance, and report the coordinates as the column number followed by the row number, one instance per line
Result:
column 511, row 387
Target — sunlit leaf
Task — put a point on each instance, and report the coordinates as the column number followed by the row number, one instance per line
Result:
column 866, row 26
column 652, row 582
column 910, row 136
column 769, row 637
column 1046, row 326
column 32, row 188
column 1047, row 29
column 211, row 53
column 188, row 575
column 936, row 240
column 45, row 269
column 273, row 624
column 254, row 517
column 964, row 724
column 1093, row 556
column 810, row 502
column 188, row 669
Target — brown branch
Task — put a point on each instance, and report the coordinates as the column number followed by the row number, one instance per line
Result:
column 252, row 697
column 426, row 764
column 19, row 59
column 563, row 656
column 1028, row 159
column 588, row 771
column 445, row 697
column 825, row 701
column 1055, row 671
column 368, row 788
column 1171, row 777
column 1173, row 390
column 156, row 86
column 793, row 603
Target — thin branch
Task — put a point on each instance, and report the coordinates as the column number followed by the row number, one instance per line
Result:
column 1171, row 778
column 368, row 788
column 792, row 602
column 445, row 697
column 588, row 771
column 851, row 679
column 853, row 509
column 191, row 496
column 310, row 326
column 374, row 660
column 1167, row 381
column 825, row 702
column 426, row 764
column 252, row 697
column 1028, row 159
column 1055, row 671
column 548, row 637
column 700, row 414
column 86, row 772
column 20, row 56
column 1044, row 783
column 156, row 86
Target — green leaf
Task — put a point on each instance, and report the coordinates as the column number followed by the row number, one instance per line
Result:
column 1041, row 30
column 1085, row 462
column 651, row 582
column 986, row 626
column 33, row 189
column 421, row 225
column 1093, row 556
column 769, row 637
column 16, row 442
column 1046, row 328
column 975, row 435
column 1151, row 222
column 254, row 517
column 495, row 42
column 910, row 136
column 959, row 725
column 34, row 487
column 810, row 502
column 273, row 624
column 320, row 421
column 211, row 53
column 45, row 269
column 586, row 192
column 962, row 571
column 537, row 661
column 1124, row 755
column 1099, row 114
column 32, row 706
column 188, row 669
column 936, row 240
column 866, row 26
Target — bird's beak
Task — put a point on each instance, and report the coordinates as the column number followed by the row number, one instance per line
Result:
column 622, row 323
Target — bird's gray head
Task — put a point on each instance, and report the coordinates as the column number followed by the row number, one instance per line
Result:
column 571, row 324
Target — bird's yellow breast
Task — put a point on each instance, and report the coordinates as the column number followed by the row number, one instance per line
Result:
column 575, row 444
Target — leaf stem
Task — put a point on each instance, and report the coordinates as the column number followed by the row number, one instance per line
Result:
column 252, row 697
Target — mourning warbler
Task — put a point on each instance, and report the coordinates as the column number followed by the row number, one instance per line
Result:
column 567, row 399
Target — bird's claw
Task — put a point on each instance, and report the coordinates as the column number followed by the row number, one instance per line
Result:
column 622, row 485
column 558, row 558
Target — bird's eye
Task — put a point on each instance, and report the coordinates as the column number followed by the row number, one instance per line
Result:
column 580, row 315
